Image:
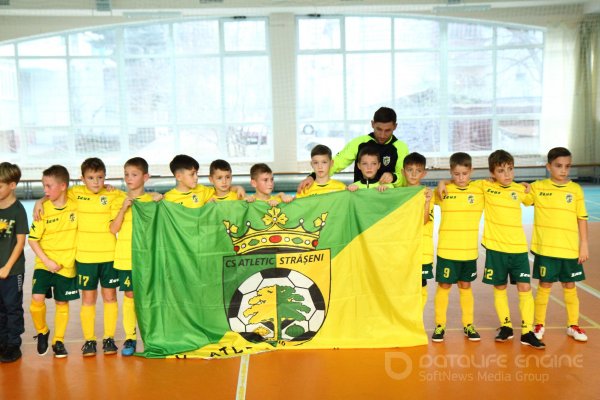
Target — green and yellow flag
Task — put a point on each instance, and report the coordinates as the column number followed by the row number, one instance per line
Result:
column 340, row 270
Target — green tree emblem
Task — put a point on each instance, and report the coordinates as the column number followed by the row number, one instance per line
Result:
column 280, row 306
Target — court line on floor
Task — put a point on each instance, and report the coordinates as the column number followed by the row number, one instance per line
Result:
column 242, row 377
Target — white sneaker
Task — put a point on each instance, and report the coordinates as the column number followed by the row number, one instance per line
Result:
column 577, row 333
column 538, row 331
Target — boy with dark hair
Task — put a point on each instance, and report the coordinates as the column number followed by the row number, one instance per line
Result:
column 54, row 241
column 220, row 175
column 188, row 192
column 135, row 175
column 261, row 179
column 559, row 241
column 457, row 253
column 13, row 232
column 506, row 246
column 413, row 169
column 321, row 163
column 368, row 163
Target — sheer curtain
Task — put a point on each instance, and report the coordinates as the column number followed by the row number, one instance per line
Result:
column 586, row 124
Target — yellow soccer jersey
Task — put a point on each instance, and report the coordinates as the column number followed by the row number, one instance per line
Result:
column 428, row 238
column 557, row 208
column 95, row 242
column 230, row 196
column 56, row 233
column 315, row 189
column 459, row 228
column 123, row 247
column 195, row 198
column 503, row 224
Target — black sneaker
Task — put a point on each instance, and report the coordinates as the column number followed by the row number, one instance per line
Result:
column 89, row 348
column 471, row 333
column 438, row 334
column 11, row 354
column 42, row 343
column 59, row 349
column 529, row 339
column 504, row 333
column 109, row 346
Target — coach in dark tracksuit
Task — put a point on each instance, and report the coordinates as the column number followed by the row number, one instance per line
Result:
column 391, row 150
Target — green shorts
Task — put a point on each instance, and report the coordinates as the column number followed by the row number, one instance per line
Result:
column 452, row 271
column 125, row 282
column 427, row 271
column 46, row 282
column 89, row 274
column 552, row 269
column 499, row 266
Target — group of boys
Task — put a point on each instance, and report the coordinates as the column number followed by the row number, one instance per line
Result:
column 82, row 236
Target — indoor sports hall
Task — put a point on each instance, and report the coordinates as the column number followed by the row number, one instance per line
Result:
column 264, row 81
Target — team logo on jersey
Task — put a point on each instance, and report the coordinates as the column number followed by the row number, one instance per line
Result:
column 103, row 200
column 514, row 196
column 194, row 198
column 6, row 227
column 276, row 287
column 569, row 198
column 386, row 160
column 471, row 199
column 72, row 217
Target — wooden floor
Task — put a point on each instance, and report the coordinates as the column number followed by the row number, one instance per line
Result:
column 453, row 369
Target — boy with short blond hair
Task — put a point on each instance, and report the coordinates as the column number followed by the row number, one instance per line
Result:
column 413, row 170
column 559, row 240
column 321, row 162
column 13, row 233
column 54, row 241
column 457, row 253
column 261, row 179
column 135, row 176
column 220, row 175
column 368, row 162
column 506, row 246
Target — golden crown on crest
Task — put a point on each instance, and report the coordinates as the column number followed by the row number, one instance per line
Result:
column 275, row 237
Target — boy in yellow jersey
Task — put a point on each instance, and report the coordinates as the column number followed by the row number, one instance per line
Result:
column 559, row 241
column 506, row 246
column 368, row 163
column 321, row 162
column 261, row 179
column 96, row 254
column 220, row 176
column 13, row 234
column 188, row 192
column 136, row 175
column 413, row 170
column 457, row 251
column 53, row 239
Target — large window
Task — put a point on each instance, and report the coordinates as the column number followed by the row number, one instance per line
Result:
column 456, row 86
column 200, row 87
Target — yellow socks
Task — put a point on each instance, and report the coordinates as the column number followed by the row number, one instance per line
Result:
column 526, row 305
column 541, row 305
column 88, row 317
column 467, row 304
column 61, row 319
column 423, row 297
column 441, row 305
column 111, row 312
column 38, row 315
column 572, row 304
column 129, row 318
column 501, row 304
